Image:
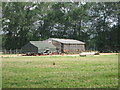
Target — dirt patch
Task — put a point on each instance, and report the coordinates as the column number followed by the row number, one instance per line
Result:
column 108, row 53
column 17, row 55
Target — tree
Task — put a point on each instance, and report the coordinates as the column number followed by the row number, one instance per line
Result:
column 17, row 20
column 103, row 15
column 96, row 24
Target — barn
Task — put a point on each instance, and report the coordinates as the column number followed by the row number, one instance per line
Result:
column 54, row 45
column 68, row 45
column 37, row 47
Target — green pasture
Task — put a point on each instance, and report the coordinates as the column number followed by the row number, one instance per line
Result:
column 68, row 72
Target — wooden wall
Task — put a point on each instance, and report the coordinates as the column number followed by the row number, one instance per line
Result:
column 29, row 48
column 57, row 45
column 69, row 48
column 73, row 48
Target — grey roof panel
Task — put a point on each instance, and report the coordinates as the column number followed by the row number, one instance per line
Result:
column 42, row 44
column 67, row 41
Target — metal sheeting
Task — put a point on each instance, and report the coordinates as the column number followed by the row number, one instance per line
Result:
column 43, row 45
column 67, row 41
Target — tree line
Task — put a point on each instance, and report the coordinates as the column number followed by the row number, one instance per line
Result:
column 95, row 23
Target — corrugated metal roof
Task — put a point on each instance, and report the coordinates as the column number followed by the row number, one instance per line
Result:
column 42, row 44
column 67, row 41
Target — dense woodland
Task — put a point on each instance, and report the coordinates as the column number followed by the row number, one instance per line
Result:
column 96, row 24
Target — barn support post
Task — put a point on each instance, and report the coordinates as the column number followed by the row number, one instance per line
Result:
column 15, row 51
column 20, row 51
column 10, row 51
column 4, row 51
column 7, row 51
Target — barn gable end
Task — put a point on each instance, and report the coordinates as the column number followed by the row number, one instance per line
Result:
column 68, row 45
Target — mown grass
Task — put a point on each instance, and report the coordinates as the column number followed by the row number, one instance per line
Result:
column 68, row 72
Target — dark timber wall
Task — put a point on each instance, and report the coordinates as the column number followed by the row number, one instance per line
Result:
column 29, row 48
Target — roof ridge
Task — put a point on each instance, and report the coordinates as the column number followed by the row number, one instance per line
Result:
column 68, row 41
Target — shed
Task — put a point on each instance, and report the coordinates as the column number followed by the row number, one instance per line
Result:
column 68, row 45
column 37, row 47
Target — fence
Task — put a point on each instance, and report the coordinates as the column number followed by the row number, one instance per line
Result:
column 16, row 51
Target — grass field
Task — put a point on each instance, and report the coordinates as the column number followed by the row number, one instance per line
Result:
column 68, row 72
